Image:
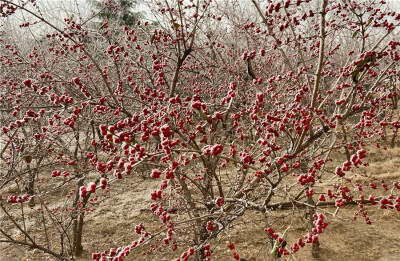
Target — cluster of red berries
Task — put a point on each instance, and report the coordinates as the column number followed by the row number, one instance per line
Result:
column 212, row 149
column 210, row 226
column 18, row 199
column 185, row 255
column 57, row 173
column 91, row 188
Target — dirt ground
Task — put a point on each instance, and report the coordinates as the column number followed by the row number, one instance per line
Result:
column 113, row 222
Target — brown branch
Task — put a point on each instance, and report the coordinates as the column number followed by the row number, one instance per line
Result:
column 31, row 245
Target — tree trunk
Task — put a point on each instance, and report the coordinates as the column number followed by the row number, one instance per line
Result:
column 315, row 247
column 78, row 224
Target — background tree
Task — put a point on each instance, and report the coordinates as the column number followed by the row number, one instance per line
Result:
column 121, row 11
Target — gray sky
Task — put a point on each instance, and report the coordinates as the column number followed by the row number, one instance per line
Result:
column 84, row 6
column 57, row 10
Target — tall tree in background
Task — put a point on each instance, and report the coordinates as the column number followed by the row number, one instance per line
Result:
column 121, row 11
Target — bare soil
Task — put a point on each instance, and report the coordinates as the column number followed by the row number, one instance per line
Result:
column 113, row 222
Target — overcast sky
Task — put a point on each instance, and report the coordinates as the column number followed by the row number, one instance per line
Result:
column 82, row 9
column 84, row 5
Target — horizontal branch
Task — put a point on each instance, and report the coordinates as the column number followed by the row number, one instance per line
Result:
column 291, row 204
